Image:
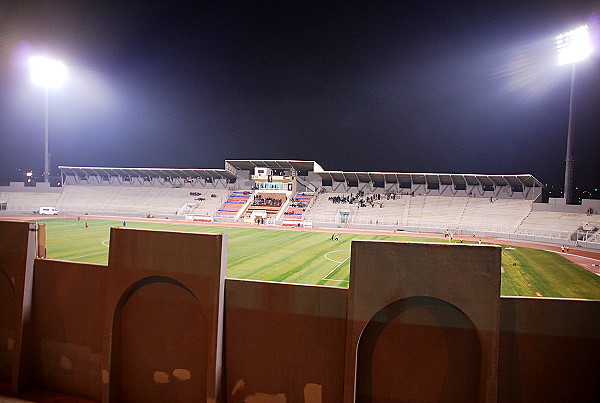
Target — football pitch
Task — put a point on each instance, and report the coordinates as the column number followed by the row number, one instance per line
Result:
column 309, row 257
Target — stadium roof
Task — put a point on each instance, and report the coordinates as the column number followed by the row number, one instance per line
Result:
column 526, row 180
column 274, row 164
column 148, row 172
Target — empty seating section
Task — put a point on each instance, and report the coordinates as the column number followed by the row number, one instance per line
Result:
column 298, row 206
column 234, row 203
column 86, row 199
column 28, row 201
column 136, row 200
column 269, row 202
column 443, row 210
column 500, row 215
column 560, row 221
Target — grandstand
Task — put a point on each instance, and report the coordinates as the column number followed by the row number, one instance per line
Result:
column 302, row 193
column 234, row 205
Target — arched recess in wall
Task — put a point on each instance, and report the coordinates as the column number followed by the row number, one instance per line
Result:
column 159, row 344
column 8, row 313
column 419, row 349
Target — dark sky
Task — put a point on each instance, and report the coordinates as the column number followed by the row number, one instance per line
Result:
column 402, row 86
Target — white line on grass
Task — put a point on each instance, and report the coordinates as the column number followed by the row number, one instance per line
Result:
column 336, row 267
column 87, row 255
column 334, row 251
column 106, row 242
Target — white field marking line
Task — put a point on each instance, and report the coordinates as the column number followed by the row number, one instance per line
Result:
column 86, row 255
column 336, row 267
column 334, row 251
column 339, row 281
column 106, row 242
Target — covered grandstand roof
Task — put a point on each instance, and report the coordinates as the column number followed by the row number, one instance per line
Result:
column 274, row 164
column 526, row 180
column 148, row 172
column 231, row 166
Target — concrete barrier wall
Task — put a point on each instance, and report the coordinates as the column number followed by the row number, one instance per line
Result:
column 18, row 249
column 284, row 342
column 163, row 322
column 68, row 309
column 549, row 350
column 438, row 301
column 160, row 323
column 13, row 260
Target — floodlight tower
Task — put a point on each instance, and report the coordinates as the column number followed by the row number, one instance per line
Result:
column 47, row 73
column 572, row 46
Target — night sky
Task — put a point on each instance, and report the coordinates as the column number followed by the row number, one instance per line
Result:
column 400, row 86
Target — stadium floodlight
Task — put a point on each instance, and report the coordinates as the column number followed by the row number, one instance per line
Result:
column 47, row 73
column 573, row 46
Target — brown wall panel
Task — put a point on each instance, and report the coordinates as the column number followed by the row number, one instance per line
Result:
column 550, row 350
column 419, row 349
column 68, row 307
column 161, row 329
column 164, row 316
column 464, row 279
column 18, row 248
column 13, row 255
column 8, row 323
column 284, row 341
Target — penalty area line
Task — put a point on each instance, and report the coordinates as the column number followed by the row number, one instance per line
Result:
column 334, row 269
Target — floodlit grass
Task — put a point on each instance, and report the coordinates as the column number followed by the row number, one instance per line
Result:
column 532, row 272
column 307, row 257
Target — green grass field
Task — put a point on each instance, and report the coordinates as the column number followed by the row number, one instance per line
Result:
column 308, row 257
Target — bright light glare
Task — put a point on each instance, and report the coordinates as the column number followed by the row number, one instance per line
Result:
column 47, row 72
column 574, row 45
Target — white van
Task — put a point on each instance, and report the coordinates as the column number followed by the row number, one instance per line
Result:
column 48, row 211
